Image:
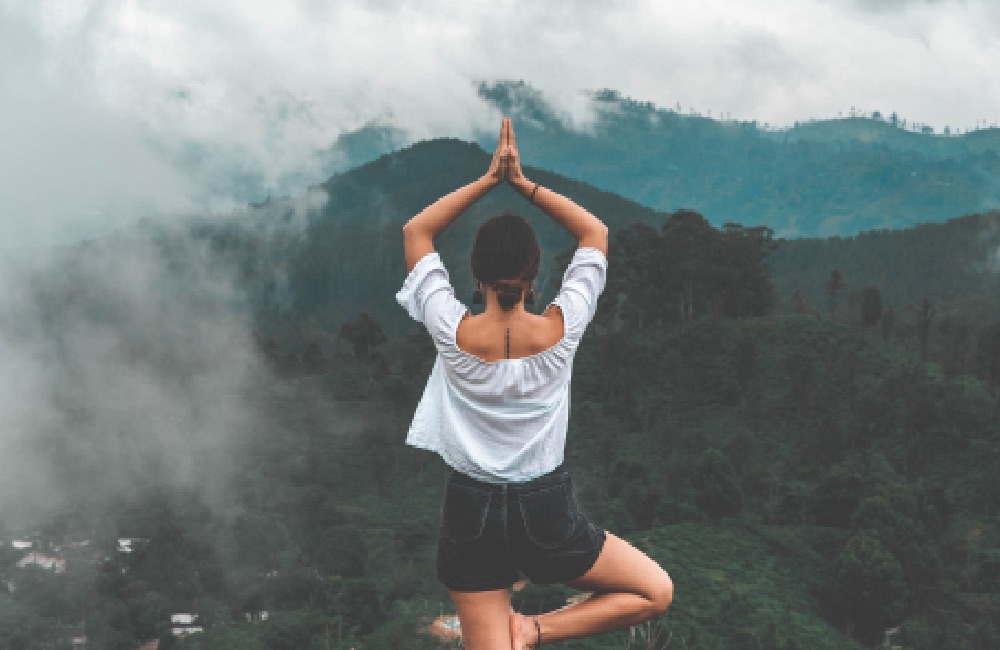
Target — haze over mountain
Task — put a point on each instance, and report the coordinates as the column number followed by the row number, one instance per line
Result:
column 823, row 178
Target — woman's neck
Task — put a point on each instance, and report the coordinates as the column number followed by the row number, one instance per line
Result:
column 495, row 312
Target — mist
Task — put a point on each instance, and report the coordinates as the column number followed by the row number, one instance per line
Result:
column 127, row 363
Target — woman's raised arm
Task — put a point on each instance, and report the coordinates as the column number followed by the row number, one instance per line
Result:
column 588, row 229
column 420, row 231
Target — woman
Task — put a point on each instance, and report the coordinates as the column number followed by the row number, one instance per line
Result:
column 496, row 408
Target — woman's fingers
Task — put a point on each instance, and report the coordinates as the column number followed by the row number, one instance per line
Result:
column 512, row 168
column 501, row 142
column 509, row 152
column 507, row 162
column 497, row 164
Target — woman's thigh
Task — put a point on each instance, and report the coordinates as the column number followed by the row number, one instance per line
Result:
column 485, row 618
column 623, row 568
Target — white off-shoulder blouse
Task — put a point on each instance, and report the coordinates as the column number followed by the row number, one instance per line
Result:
column 498, row 421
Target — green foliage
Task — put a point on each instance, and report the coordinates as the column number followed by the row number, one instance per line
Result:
column 689, row 270
column 952, row 264
column 988, row 356
column 716, row 486
column 364, row 335
column 868, row 586
column 747, row 586
column 224, row 636
column 291, row 631
column 836, row 496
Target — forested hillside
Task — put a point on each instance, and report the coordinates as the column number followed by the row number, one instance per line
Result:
column 956, row 265
column 936, row 286
column 819, row 476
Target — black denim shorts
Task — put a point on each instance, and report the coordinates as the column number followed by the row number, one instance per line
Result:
column 492, row 534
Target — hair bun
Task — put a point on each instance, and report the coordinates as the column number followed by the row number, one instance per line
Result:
column 508, row 294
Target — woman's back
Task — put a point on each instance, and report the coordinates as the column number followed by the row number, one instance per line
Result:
column 521, row 335
column 488, row 417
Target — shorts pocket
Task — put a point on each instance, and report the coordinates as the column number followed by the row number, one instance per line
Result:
column 465, row 510
column 550, row 515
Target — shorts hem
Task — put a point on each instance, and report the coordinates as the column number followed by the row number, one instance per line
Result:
column 594, row 554
column 475, row 588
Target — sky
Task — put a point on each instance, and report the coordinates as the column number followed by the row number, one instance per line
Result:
column 111, row 110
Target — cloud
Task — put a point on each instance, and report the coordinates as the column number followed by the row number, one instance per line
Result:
column 116, row 108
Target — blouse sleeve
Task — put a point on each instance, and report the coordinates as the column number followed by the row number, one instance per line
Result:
column 428, row 297
column 582, row 285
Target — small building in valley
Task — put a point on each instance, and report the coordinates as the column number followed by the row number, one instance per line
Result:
column 52, row 563
column 182, row 625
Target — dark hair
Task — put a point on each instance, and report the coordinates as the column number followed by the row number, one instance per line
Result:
column 505, row 254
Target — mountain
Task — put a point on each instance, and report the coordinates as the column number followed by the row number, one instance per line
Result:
column 349, row 256
column 955, row 265
column 815, row 179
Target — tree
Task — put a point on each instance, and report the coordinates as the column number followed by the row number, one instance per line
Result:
column 925, row 317
column 364, row 335
column 800, row 302
column 312, row 359
column 638, row 278
column 718, row 492
column 896, row 523
column 686, row 260
column 833, row 287
column 742, row 276
column 888, row 322
column 291, row 630
column 871, row 306
column 869, row 586
column 836, row 496
column 955, row 339
column 688, row 269
column 988, row 354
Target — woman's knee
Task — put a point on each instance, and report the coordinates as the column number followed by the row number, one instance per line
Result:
column 661, row 594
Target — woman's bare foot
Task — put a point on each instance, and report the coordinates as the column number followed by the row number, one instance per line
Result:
column 523, row 633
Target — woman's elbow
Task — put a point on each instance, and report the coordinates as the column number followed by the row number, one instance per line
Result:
column 596, row 237
column 412, row 234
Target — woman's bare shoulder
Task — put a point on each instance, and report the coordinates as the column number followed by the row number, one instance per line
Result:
column 550, row 326
column 484, row 338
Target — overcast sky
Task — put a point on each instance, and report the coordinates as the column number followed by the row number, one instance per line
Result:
column 115, row 109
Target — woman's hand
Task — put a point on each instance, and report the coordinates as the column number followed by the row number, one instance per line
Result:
column 510, row 156
column 506, row 163
column 500, row 165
